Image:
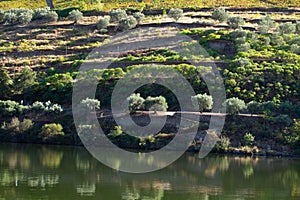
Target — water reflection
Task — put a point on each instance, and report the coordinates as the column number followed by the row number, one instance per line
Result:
column 55, row 172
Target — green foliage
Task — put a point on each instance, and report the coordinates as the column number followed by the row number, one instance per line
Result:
column 139, row 17
column 266, row 24
column 235, row 22
column 127, row 23
column 220, row 14
column 10, row 108
column 17, row 16
column 175, row 13
column 248, row 139
column 116, row 132
column 156, row 103
column 276, row 39
column 287, row 28
column 75, row 15
column 223, row 144
column 117, row 14
column 6, row 84
column 286, row 107
column 243, row 47
column 295, row 48
column 46, row 107
column 25, row 80
column 45, row 14
column 298, row 27
column 136, row 102
column 254, row 107
column 17, row 126
column 202, row 102
column 90, row 104
column 241, row 62
column 234, row 105
column 103, row 24
column 52, row 130
column 283, row 120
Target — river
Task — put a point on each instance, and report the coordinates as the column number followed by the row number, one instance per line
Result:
column 62, row 172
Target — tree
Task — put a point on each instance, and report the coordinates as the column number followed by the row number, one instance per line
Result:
column 235, row 22
column 75, row 15
column 52, row 130
column 136, row 102
column 45, row 14
column 248, row 139
column 287, row 28
column 265, row 24
column 128, row 23
column 117, row 14
column 175, row 13
column 156, row 103
column 5, row 84
column 234, row 105
column 139, row 17
column 103, row 24
column 24, row 81
column 90, row 104
column 220, row 14
column 254, row 107
column 202, row 102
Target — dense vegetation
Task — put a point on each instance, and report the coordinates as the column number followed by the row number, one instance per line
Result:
column 261, row 73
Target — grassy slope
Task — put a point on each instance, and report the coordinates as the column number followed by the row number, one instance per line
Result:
column 109, row 4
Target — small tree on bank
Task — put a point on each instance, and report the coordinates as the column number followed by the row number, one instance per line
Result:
column 202, row 102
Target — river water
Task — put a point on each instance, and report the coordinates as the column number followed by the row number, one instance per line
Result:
column 59, row 172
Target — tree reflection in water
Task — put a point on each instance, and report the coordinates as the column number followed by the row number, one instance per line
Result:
column 56, row 172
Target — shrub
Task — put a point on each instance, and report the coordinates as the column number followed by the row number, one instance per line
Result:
column 248, row 139
column 267, row 41
column 139, row 17
column 52, row 130
column 156, row 104
column 243, row 47
column 18, row 127
column 276, row 39
column 234, row 105
column 127, row 23
column 116, row 132
column 295, row 48
column 175, row 13
column 117, row 14
column 25, row 80
column 254, row 107
column 241, row 62
column 287, row 28
column 202, row 102
column 235, row 22
column 10, row 108
column 1, row 15
column 136, row 102
column 90, row 104
column 17, row 16
column 45, row 14
column 298, row 27
column 266, row 24
column 103, row 24
column 220, row 14
column 268, row 106
column 75, row 15
column 46, row 107
column 286, row 107
column 223, row 144
column 6, row 83
column 283, row 120
column 238, row 33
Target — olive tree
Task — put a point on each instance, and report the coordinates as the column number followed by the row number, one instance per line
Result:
column 235, row 22
column 45, row 14
column 202, row 102
column 103, row 24
column 17, row 16
column 156, row 103
column 220, row 14
column 139, row 17
column 75, row 15
column 266, row 24
column 127, row 23
column 117, row 14
column 287, row 28
column 175, row 13
column 136, row 102
column 234, row 105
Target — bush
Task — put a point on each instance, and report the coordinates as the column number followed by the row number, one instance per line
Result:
column 266, row 24
column 283, row 120
column 46, row 107
column 276, row 39
column 286, row 107
column 127, row 23
column 18, row 127
column 268, row 106
column 103, row 24
column 117, row 14
column 223, row 144
column 202, row 102
column 220, row 14
column 116, row 132
column 52, row 130
column 45, row 14
column 90, row 104
column 10, row 108
column 295, row 48
column 235, row 22
column 234, row 105
column 75, row 15
column 241, row 62
column 156, row 104
column 136, row 102
column 298, row 27
column 254, row 107
column 17, row 16
column 287, row 28
column 1, row 15
column 175, row 13
column 238, row 33
column 139, row 17
column 248, row 139
column 243, row 47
